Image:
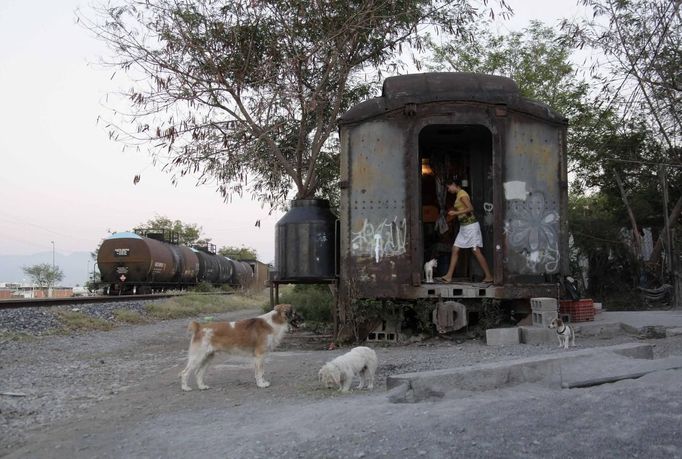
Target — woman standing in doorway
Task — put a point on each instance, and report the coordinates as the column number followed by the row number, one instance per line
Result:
column 469, row 235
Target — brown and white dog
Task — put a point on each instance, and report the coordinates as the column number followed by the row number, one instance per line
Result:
column 564, row 332
column 251, row 337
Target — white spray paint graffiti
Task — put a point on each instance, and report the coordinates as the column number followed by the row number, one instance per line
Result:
column 533, row 231
column 385, row 239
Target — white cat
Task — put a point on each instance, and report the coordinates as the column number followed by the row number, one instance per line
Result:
column 428, row 269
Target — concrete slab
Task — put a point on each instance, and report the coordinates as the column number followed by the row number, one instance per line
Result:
column 601, row 329
column 640, row 319
column 547, row 369
column 603, row 370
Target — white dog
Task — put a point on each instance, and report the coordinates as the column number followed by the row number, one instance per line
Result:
column 428, row 269
column 361, row 361
column 564, row 333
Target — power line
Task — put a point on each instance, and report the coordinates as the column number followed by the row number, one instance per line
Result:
column 650, row 163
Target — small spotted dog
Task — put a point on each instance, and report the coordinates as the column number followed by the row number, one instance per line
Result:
column 564, row 332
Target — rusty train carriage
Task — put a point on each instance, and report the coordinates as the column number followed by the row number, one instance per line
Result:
column 512, row 153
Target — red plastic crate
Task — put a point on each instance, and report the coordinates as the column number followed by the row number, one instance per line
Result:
column 580, row 310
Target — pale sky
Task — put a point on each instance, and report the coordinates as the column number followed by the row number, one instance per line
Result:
column 63, row 180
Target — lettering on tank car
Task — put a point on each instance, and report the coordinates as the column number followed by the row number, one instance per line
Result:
column 121, row 252
column 159, row 267
column 122, row 270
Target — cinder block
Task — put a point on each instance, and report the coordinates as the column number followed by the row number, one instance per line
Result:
column 502, row 336
column 537, row 335
column 543, row 311
column 388, row 330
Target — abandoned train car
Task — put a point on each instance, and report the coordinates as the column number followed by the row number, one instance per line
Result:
column 397, row 151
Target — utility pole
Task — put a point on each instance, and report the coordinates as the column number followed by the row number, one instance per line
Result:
column 52, row 255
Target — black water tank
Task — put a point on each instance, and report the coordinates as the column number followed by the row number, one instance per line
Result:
column 304, row 242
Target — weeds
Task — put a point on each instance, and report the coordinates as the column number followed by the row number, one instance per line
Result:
column 78, row 321
column 7, row 336
column 192, row 304
column 128, row 316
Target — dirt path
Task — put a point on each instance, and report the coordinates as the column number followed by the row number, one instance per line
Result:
column 117, row 394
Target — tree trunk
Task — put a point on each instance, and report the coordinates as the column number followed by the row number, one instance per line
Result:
column 674, row 215
column 636, row 237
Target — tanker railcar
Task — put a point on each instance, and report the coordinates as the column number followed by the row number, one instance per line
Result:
column 132, row 263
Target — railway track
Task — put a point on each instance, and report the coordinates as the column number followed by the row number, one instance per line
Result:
column 45, row 302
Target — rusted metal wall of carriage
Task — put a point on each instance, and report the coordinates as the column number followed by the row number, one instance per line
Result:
column 380, row 235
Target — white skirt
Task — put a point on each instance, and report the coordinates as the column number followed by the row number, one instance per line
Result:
column 469, row 236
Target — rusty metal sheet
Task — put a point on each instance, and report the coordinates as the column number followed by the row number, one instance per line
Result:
column 532, row 195
column 378, row 230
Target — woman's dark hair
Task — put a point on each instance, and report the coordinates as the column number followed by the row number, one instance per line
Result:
column 456, row 181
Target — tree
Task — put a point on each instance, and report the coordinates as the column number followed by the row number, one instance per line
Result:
column 238, row 253
column 44, row 275
column 641, row 46
column 538, row 59
column 246, row 93
column 640, row 42
column 188, row 233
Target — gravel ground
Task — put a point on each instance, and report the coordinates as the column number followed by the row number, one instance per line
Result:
column 45, row 320
column 116, row 394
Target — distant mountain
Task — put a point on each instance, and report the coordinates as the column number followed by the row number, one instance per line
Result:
column 74, row 266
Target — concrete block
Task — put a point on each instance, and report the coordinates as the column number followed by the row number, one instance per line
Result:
column 387, row 330
column 502, row 336
column 543, row 311
column 537, row 335
column 544, row 304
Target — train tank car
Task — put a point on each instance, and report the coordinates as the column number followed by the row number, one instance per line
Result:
column 397, row 150
column 214, row 269
column 131, row 263
column 243, row 274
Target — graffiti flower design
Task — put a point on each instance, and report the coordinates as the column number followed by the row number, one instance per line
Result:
column 533, row 229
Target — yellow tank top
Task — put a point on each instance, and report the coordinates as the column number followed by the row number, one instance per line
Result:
column 464, row 219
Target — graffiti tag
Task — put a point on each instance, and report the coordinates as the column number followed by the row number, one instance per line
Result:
column 384, row 239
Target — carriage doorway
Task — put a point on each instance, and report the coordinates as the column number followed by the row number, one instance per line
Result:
column 463, row 151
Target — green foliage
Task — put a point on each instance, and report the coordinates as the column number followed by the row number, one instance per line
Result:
column 314, row 302
column 247, row 93
column 640, row 46
column 44, row 275
column 188, row 233
column 598, row 237
column 238, row 253
column 538, row 60
column 203, row 287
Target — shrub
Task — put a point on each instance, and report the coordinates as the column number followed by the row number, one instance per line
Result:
column 203, row 287
column 313, row 302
